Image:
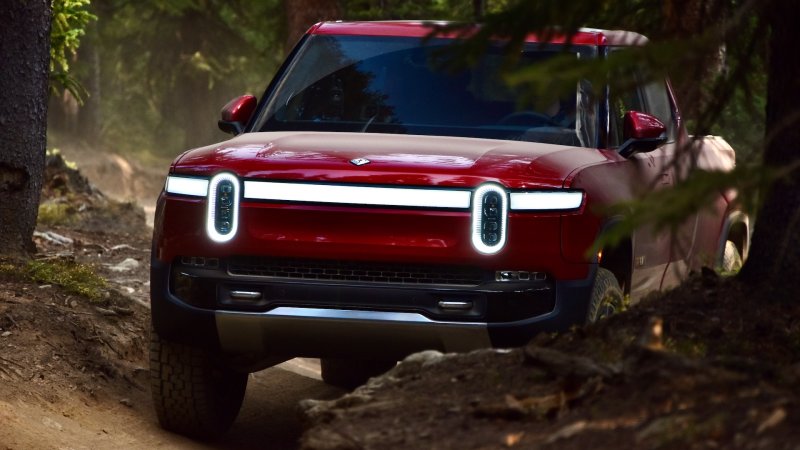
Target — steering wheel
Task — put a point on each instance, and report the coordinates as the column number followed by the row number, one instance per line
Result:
column 527, row 118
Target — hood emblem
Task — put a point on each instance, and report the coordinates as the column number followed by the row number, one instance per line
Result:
column 359, row 161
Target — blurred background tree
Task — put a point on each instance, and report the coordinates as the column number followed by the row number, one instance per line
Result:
column 156, row 72
column 153, row 74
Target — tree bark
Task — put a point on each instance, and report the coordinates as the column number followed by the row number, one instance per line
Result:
column 24, row 77
column 774, row 262
column 301, row 14
column 691, row 19
column 478, row 9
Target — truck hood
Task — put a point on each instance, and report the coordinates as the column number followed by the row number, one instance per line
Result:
column 393, row 159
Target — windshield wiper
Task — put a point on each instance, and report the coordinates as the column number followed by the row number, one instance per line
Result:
column 369, row 122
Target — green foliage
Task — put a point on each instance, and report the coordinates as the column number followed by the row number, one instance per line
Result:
column 159, row 70
column 55, row 214
column 742, row 120
column 166, row 67
column 75, row 278
column 408, row 9
column 70, row 18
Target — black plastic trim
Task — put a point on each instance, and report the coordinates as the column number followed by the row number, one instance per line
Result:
column 176, row 320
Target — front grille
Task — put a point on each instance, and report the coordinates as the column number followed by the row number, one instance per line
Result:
column 355, row 271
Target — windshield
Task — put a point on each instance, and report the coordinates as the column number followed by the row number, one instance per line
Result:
column 392, row 85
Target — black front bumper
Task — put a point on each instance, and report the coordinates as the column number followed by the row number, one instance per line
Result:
column 318, row 319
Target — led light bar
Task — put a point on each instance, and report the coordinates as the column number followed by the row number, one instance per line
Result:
column 357, row 195
column 196, row 187
column 222, row 215
column 489, row 217
column 546, row 200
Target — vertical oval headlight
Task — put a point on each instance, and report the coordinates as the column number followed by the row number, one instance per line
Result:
column 223, row 207
column 489, row 216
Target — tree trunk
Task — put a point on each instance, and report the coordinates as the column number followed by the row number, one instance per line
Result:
column 301, row 14
column 478, row 9
column 691, row 19
column 774, row 262
column 24, row 73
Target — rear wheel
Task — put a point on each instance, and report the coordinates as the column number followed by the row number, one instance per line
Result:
column 194, row 394
column 351, row 373
column 607, row 297
column 731, row 258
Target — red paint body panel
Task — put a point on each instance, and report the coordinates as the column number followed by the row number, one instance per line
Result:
column 239, row 109
column 395, row 160
column 639, row 125
column 584, row 36
column 365, row 234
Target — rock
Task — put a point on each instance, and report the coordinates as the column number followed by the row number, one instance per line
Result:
column 105, row 312
column 127, row 402
column 122, row 311
column 423, row 358
column 125, row 266
column 327, row 439
column 122, row 247
column 5, row 334
column 55, row 238
column 50, row 423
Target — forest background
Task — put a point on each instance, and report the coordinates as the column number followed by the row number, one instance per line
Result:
column 150, row 76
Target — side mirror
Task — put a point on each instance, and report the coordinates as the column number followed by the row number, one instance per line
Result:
column 642, row 133
column 236, row 114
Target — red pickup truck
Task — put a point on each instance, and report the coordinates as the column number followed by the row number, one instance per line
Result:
column 373, row 204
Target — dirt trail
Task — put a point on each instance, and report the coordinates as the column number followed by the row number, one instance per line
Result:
column 74, row 371
column 74, row 420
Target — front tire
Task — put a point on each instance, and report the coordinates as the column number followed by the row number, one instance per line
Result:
column 194, row 394
column 351, row 373
column 607, row 297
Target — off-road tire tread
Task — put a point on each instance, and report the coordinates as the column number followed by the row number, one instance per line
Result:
column 193, row 393
column 605, row 286
column 731, row 258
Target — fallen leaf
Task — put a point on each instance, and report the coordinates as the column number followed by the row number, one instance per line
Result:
column 774, row 419
column 513, row 439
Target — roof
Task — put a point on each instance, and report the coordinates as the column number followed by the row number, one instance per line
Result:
column 585, row 36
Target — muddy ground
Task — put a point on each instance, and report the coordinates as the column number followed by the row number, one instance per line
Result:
column 705, row 366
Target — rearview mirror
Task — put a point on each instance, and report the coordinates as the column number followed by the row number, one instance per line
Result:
column 236, row 114
column 642, row 133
